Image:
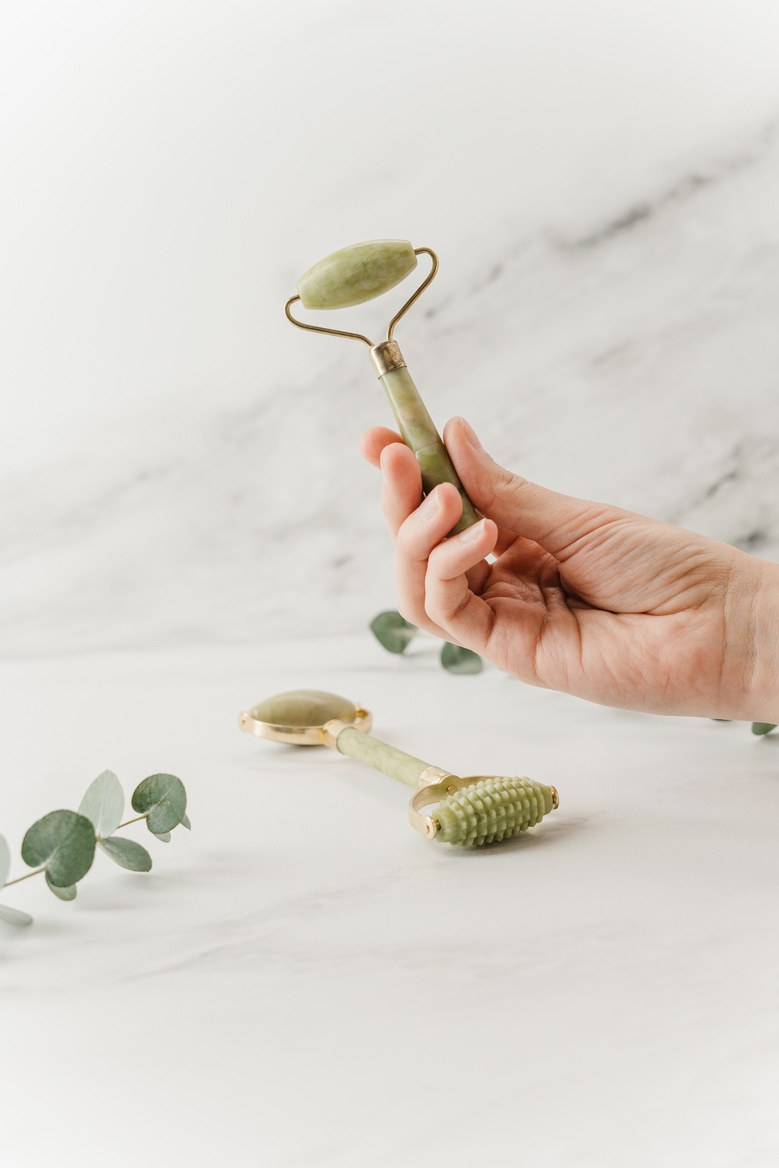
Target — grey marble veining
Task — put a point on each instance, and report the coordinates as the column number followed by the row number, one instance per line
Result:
column 634, row 362
column 186, row 527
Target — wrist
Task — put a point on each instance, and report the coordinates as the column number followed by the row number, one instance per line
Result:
column 762, row 704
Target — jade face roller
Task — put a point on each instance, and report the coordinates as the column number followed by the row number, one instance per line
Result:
column 352, row 276
column 470, row 812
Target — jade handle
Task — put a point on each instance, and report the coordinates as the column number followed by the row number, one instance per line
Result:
column 382, row 757
column 420, row 435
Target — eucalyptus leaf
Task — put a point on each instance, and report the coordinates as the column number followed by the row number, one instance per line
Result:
column 185, row 823
column 103, row 803
column 162, row 836
column 163, row 800
column 127, row 854
column 63, row 842
column 763, row 727
column 392, row 631
column 14, row 916
column 459, row 660
column 66, row 893
column 5, row 860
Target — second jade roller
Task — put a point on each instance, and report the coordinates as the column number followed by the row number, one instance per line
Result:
column 353, row 276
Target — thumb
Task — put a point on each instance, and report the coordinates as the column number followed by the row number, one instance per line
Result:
column 556, row 522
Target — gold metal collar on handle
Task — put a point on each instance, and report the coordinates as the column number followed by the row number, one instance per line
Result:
column 318, row 328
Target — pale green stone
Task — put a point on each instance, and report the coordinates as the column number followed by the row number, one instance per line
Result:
column 356, row 273
column 382, row 757
column 495, row 808
column 303, row 707
column 420, row 435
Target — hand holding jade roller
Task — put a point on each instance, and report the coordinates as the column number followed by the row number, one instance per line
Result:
column 579, row 596
column 353, row 276
column 469, row 812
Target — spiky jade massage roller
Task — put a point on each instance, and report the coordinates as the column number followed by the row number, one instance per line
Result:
column 354, row 275
column 470, row 812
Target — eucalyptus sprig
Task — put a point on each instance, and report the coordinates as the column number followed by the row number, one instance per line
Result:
column 396, row 634
column 62, row 844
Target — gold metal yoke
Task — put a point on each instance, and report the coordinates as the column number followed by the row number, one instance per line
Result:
column 305, row 735
column 318, row 328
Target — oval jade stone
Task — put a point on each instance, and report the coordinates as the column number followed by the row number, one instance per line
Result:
column 303, row 707
column 356, row 273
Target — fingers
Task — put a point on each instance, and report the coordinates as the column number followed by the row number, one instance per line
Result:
column 422, row 528
column 402, row 484
column 449, row 599
column 401, row 491
column 372, row 442
column 556, row 522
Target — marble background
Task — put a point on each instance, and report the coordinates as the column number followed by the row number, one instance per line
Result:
column 186, row 527
column 179, row 466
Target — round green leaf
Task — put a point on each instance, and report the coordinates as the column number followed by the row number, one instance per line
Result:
column 763, row 727
column 163, row 800
column 67, row 893
column 64, row 842
column 13, row 916
column 5, row 860
column 185, row 823
column 103, row 803
column 162, row 836
column 459, row 660
column 392, row 631
column 127, row 854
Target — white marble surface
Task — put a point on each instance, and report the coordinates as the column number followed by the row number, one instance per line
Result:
column 186, row 527
column 304, row 980
column 179, row 465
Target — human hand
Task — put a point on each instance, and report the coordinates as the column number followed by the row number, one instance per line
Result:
column 582, row 597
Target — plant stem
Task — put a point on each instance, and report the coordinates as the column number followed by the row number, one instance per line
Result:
column 38, row 871
column 19, row 879
column 129, row 821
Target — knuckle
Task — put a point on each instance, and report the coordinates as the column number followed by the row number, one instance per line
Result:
column 505, row 483
column 445, row 610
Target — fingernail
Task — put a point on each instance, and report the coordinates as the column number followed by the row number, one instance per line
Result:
column 469, row 435
column 431, row 505
column 472, row 533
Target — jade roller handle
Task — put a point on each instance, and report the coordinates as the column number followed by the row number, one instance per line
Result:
column 417, row 428
column 374, row 753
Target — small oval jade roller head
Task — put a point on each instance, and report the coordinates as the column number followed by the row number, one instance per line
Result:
column 470, row 812
column 352, row 276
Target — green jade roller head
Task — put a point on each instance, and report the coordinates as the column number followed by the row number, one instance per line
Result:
column 470, row 812
column 353, row 276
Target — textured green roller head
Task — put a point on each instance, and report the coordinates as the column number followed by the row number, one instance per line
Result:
column 493, row 809
column 356, row 273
